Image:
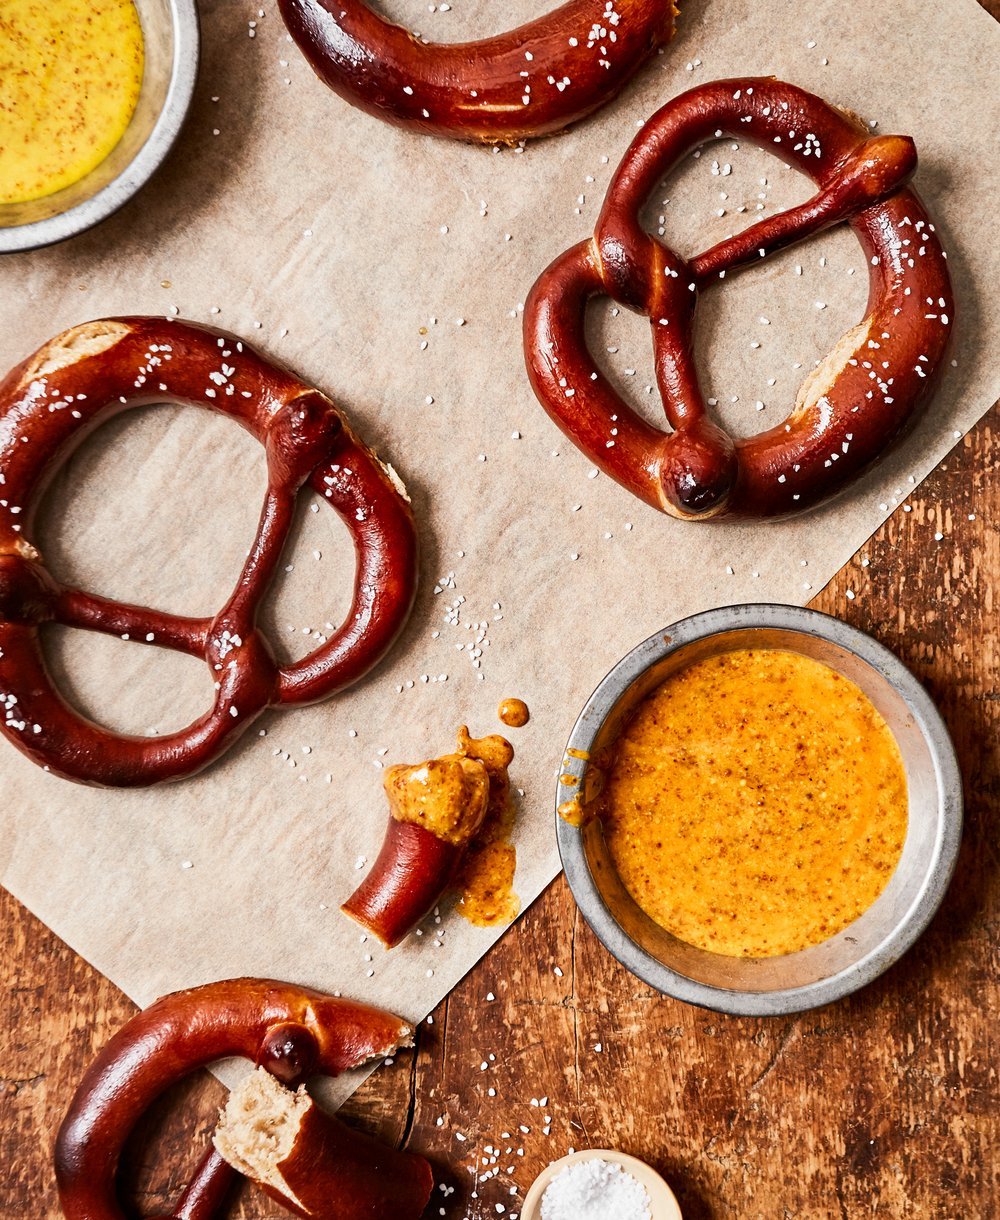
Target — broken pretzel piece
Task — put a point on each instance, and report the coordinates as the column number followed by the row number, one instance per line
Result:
column 311, row 1162
column 436, row 810
column 287, row 1031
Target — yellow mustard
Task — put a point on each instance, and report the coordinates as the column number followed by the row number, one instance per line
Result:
column 70, row 75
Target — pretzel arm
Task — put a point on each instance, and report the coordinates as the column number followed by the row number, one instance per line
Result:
column 139, row 624
column 369, row 498
column 531, row 81
column 866, row 177
column 867, row 391
column 571, row 387
column 60, row 739
column 207, row 1191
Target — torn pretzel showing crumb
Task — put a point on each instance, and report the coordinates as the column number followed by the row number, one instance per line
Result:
column 311, row 1162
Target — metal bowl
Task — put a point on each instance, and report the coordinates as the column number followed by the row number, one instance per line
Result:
column 171, row 39
column 767, row 986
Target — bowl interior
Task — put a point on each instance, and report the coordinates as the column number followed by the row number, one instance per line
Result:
column 866, row 934
column 157, row 19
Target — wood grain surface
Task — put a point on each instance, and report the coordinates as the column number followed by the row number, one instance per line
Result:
column 885, row 1103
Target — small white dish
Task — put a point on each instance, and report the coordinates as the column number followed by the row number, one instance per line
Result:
column 663, row 1202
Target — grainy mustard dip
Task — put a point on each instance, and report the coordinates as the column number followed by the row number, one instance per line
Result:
column 756, row 803
column 464, row 799
column 70, row 74
column 485, row 881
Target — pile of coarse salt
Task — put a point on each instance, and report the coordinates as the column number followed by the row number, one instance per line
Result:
column 595, row 1190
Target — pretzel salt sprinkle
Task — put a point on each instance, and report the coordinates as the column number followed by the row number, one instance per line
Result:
column 850, row 409
column 48, row 405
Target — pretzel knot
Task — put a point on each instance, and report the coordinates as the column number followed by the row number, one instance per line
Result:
column 849, row 410
column 291, row 1032
column 79, row 379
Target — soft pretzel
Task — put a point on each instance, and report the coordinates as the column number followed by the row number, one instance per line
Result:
column 436, row 809
column 313, row 1164
column 60, row 394
column 291, row 1032
column 532, row 81
column 861, row 397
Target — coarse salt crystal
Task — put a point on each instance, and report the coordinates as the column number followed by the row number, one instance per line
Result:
column 594, row 1190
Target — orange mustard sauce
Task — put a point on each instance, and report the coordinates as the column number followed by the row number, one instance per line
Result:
column 514, row 713
column 448, row 796
column 485, row 879
column 464, row 799
column 572, row 811
column 756, row 803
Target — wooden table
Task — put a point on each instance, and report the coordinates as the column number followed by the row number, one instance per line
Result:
column 884, row 1103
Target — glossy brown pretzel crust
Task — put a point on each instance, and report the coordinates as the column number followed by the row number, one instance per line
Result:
column 293, row 1032
column 77, row 381
column 850, row 409
column 532, row 81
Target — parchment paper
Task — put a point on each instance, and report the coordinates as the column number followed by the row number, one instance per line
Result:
column 352, row 251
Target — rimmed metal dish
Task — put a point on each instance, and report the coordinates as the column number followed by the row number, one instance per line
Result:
column 171, row 40
column 863, row 950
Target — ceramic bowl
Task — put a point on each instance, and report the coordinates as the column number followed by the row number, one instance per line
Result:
column 170, row 35
column 767, row 986
column 663, row 1203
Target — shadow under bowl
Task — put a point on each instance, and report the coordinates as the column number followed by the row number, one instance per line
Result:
column 820, row 974
column 171, row 42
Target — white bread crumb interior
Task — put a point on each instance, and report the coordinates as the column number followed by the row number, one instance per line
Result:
column 819, row 381
column 258, row 1127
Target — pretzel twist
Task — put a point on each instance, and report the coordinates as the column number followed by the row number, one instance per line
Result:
column 859, row 399
column 531, row 81
column 292, row 1032
column 48, row 405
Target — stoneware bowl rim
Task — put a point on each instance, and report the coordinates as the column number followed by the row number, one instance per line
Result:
column 939, row 866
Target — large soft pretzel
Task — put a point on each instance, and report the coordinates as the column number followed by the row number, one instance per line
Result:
column 293, row 1033
column 849, row 410
column 62, row 392
column 531, row 81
